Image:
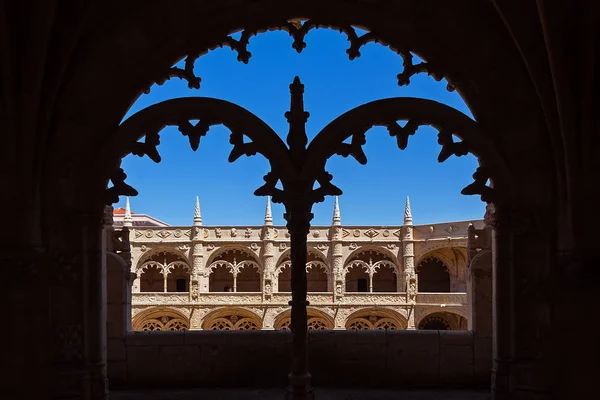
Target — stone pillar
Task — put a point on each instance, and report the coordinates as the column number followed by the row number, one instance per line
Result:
column 479, row 293
column 199, row 276
column 269, row 283
column 502, row 306
column 337, row 253
column 408, row 258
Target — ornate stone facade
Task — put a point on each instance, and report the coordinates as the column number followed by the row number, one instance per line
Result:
column 359, row 277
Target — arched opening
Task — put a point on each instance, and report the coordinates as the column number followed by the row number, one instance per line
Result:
column 443, row 321
column 234, row 270
column 361, row 283
column 316, row 269
column 385, row 279
column 433, row 276
column 232, row 319
column 178, row 278
column 375, row 319
column 160, row 319
column 317, row 320
column 220, row 279
column 371, row 269
column 152, row 279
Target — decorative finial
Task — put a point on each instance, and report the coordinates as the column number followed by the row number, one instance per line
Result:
column 197, row 215
column 297, row 117
column 127, row 220
column 268, row 214
column 337, row 218
column 407, row 213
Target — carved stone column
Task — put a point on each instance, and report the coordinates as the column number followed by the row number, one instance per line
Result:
column 408, row 257
column 199, row 276
column 269, row 284
column 337, row 262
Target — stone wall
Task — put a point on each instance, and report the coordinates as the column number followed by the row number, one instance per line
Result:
column 262, row 358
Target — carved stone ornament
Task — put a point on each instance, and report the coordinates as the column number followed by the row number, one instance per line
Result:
column 391, row 246
column 163, row 234
column 143, row 248
column 138, row 234
column 282, row 246
column 177, row 233
column 316, row 234
column 322, row 246
column 385, row 233
column 248, row 233
column 233, row 232
column 184, row 247
column 398, row 233
column 254, row 246
column 371, row 233
column 353, row 246
column 210, row 246
column 356, row 233
column 218, row 232
column 149, row 234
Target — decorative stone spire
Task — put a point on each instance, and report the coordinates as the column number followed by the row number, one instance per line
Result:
column 337, row 219
column 127, row 220
column 197, row 215
column 268, row 214
column 407, row 213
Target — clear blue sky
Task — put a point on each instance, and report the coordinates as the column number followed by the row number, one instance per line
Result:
column 373, row 194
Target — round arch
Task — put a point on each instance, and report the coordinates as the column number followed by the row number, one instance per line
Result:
column 442, row 320
column 317, row 320
column 231, row 318
column 375, row 318
column 160, row 319
column 310, row 250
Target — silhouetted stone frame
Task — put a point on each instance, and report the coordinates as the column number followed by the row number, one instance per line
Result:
column 503, row 98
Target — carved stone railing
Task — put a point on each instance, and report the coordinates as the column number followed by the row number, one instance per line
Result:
column 449, row 299
column 317, row 234
column 160, row 298
column 350, row 298
column 374, row 299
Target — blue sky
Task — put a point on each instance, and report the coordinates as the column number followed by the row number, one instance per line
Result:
column 373, row 194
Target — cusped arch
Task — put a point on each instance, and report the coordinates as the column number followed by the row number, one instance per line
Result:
column 380, row 249
column 231, row 318
column 160, row 318
column 232, row 248
column 162, row 249
column 310, row 250
column 375, row 318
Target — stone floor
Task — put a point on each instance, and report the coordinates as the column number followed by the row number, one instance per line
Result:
column 320, row 394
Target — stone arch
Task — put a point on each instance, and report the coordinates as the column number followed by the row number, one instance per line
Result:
column 379, row 249
column 360, row 270
column 442, row 320
column 234, row 268
column 477, row 77
column 219, row 251
column 317, row 268
column 375, row 319
column 176, row 255
column 231, row 318
column 317, row 320
column 433, row 276
column 160, row 319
